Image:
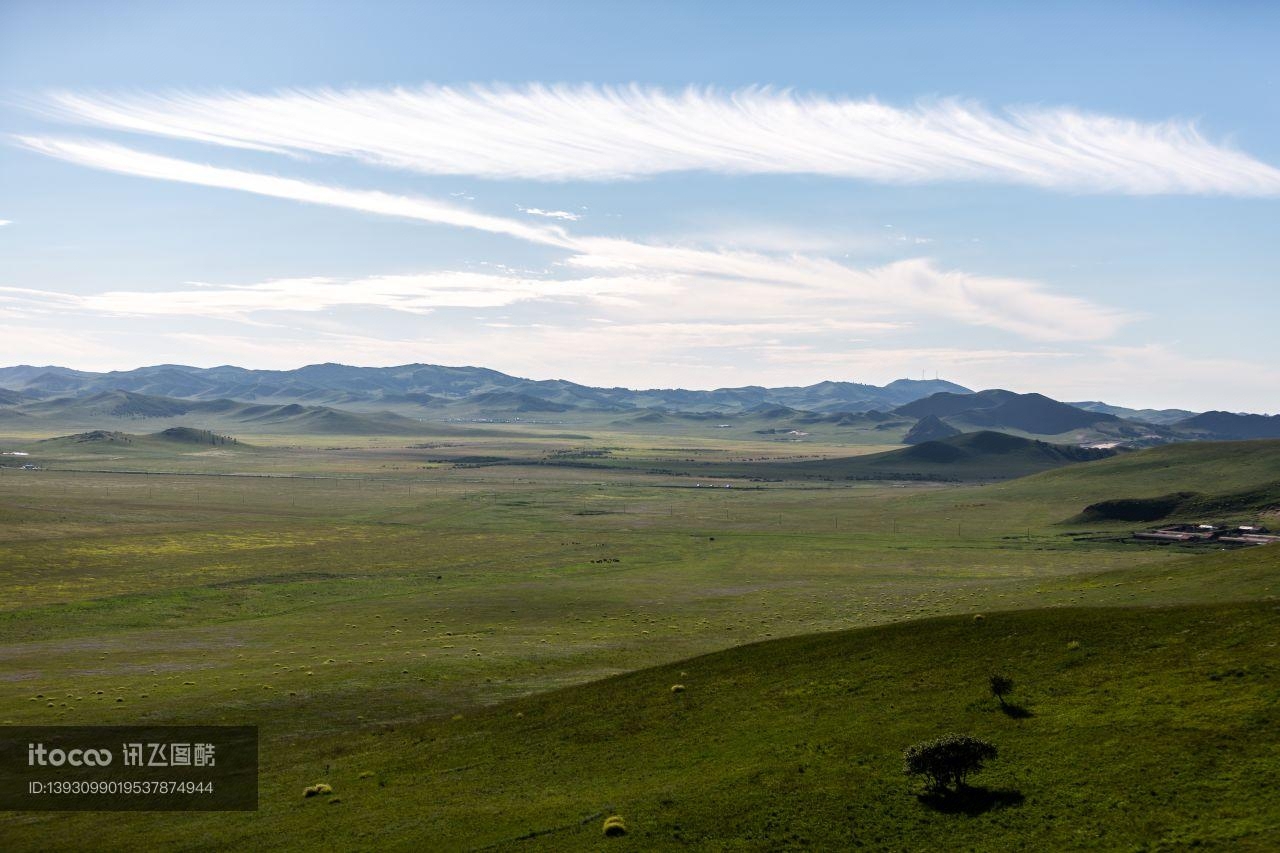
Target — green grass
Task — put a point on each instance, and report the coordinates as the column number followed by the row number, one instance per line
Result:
column 352, row 596
column 1142, row 729
column 1248, row 503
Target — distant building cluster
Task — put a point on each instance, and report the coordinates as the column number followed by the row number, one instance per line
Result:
column 1243, row 535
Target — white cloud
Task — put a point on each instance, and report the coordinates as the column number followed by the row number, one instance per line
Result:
column 116, row 158
column 823, row 286
column 31, row 342
column 4, row 222
column 781, row 239
column 648, row 280
column 413, row 294
column 588, row 132
column 552, row 214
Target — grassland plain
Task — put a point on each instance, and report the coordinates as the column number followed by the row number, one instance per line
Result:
column 353, row 597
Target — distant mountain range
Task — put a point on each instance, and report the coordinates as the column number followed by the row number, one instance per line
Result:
column 344, row 400
column 427, row 385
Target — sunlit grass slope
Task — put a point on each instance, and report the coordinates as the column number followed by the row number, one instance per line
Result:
column 1131, row 729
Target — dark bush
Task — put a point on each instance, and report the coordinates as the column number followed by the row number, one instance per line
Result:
column 1001, row 686
column 948, row 761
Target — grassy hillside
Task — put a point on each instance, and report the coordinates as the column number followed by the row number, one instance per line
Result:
column 929, row 428
column 97, row 447
column 972, row 456
column 1188, row 506
column 1228, row 425
column 1212, row 468
column 1199, row 466
column 1133, row 729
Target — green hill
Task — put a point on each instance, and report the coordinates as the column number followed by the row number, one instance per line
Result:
column 972, row 456
column 1227, row 425
column 1128, row 729
column 1211, row 467
column 1034, row 413
column 929, row 428
column 1187, row 506
column 90, row 439
column 190, row 435
column 166, row 443
column 797, row 743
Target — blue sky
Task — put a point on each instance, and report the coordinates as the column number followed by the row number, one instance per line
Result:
column 1076, row 199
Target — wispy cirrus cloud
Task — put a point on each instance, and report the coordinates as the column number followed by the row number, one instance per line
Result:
column 411, row 294
column 589, row 132
column 644, row 279
column 130, row 161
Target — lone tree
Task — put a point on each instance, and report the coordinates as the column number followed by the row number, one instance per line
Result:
column 1001, row 686
column 946, row 762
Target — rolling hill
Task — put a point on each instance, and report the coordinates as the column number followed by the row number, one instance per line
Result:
column 1041, row 416
column 981, row 455
column 1169, row 473
column 929, row 428
column 1217, row 466
column 1034, row 413
column 344, row 385
column 100, row 444
column 1227, row 425
column 1193, row 507
column 1004, row 410
column 1162, row 417
column 796, row 743
column 108, row 409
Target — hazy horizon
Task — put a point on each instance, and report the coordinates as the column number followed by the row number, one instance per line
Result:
column 688, row 387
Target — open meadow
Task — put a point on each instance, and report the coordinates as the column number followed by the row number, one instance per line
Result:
column 425, row 625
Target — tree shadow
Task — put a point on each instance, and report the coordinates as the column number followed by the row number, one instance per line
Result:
column 970, row 801
column 1016, row 712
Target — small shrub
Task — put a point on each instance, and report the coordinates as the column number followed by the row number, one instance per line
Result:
column 316, row 790
column 1001, row 686
column 948, row 761
column 614, row 827
column 978, row 617
column 1073, row 646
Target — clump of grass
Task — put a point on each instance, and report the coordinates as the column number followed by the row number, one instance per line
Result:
column 316, row 790
column 367, row 774
column 614, row 827
column 1073, row 646
column 677, row 688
